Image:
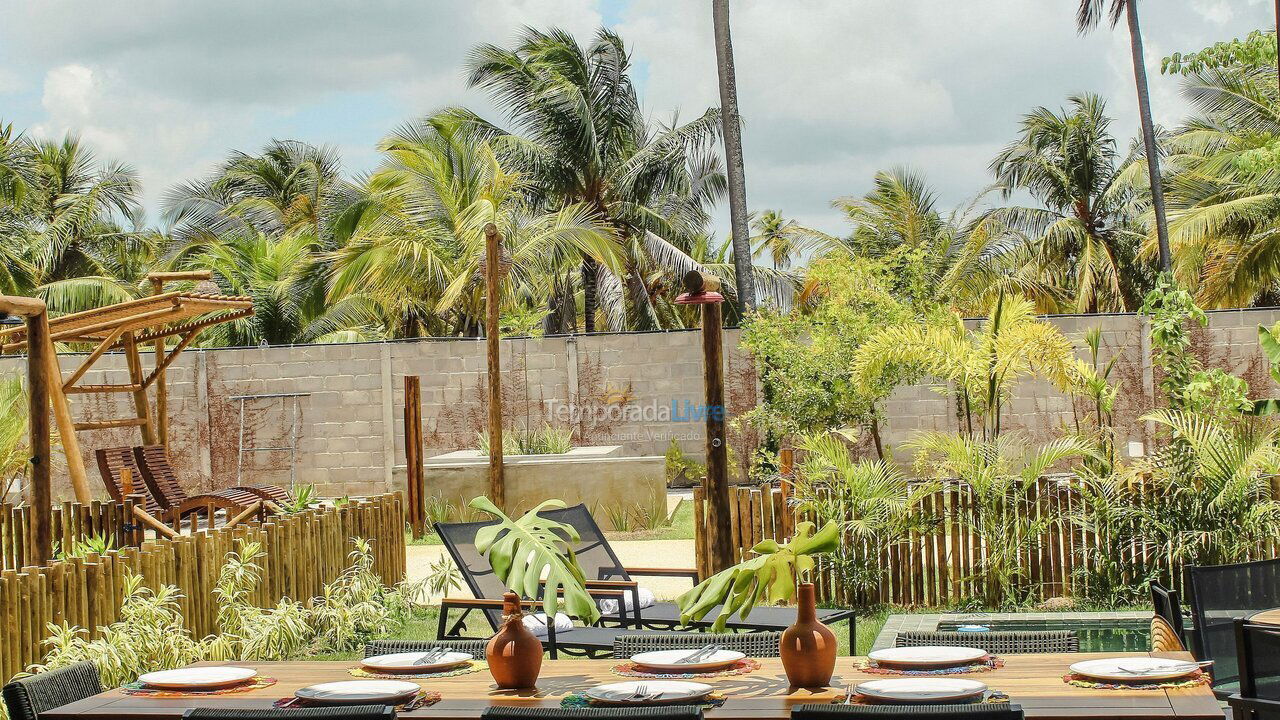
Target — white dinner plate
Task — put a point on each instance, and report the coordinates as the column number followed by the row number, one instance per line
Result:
column 1134, row 668
column 359, row 692
column 657, row 691
column 407, row 662
column 198, row 677
column 667, row 660
column 929, row 656
column 921, row 690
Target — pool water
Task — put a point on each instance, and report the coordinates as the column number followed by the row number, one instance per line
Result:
column 1095, row 635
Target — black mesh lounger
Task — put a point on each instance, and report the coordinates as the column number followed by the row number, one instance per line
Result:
column 652, row 712
column 25, row 699
column 349, row 712
column 753, row 645
column 387, row 647
column 977, row 711
column 599, row 562
column 1258, row 664
column 1220, row 595
column 460, row 541
column 1000, row 643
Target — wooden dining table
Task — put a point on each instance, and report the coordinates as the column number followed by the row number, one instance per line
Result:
column 1266, row 617
column 1033, row 681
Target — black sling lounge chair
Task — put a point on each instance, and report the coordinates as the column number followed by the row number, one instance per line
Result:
column 1220, row 595
column 599, row 562
column 460, row 540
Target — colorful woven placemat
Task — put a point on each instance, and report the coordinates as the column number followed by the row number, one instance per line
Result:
column 991, row 697
column 579, row 700
column 630, row 669
column 869, row 666
column 425, row 698
column 1196, row 678
column 465, row 669
column 257, row 682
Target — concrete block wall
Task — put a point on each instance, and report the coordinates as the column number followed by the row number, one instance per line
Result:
column 351, row 419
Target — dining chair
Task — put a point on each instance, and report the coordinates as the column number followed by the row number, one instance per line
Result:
column 1163, row 636
column 1166, row 604
column 25, row 699
column 1258, row 664
column 649, row 712
column 344, row 712
column 1017, row 642
column 387, row 647
column 1220, row 595
column 972, row 711
column 753, row 645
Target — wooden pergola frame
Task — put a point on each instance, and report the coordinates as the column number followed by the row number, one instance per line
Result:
column 122, row 326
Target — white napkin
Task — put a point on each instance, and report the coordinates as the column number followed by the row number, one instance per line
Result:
column 609, row 606
column 537, row 624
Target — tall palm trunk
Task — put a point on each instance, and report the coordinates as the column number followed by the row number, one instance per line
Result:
column 1148, row 133
column 735, row 171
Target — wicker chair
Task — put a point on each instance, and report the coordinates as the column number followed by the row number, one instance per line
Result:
column 977, row 711
column 27, row 698
column 1000, row 643
column 1163, row 636
column 652, row 712
column 387, row 647
column 349, row 712
column 758, row 644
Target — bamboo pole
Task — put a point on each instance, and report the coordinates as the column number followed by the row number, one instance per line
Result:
column 414, row 490
column 66, row 424
column 492, row 255
column 140, row 404
column 162, row 394
column 40, row 488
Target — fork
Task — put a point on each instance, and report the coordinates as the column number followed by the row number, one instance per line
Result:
column 641, row 693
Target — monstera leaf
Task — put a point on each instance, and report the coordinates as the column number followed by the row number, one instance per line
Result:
column 526, row 555
column 771, row 577
column 1270, row 346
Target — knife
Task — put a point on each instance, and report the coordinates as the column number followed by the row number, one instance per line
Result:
column 695, row 655
column 431, row 656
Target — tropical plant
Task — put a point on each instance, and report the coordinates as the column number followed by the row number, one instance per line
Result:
column 526, row 555
column 1214, row 498
column 301, row 499
column 546, row 440
column 980, row 366
column 14, row 452
column 249, row 632
column 772, row 576
column 443, row 576
column 872, row 502
column 1258, row 49
column 1083, row 240
column 1095, row 384
column 1000, row 476
column 803, row 357
column 782, row 239
column 95, row 544
column 1269, row 343
column 1088, row 17
column 731, row 126
column 150, row 635
column 357, row 606
column 1117, row 564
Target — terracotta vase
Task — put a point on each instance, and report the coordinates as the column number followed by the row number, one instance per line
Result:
column 515, row 653
column 808, row 647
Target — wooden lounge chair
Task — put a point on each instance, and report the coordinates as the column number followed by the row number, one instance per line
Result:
column 600, row 562
column 153, row 461
column 112, row 462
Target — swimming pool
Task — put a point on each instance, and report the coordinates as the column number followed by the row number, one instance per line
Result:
column 1101, row 635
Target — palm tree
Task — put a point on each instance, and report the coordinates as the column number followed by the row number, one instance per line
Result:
column 1224, row 190
column 1087, row 17
column 1067, row 161
column 783, row 239
column 15, row 166
column 418, row 247
column 580, row 137
column 732, row 130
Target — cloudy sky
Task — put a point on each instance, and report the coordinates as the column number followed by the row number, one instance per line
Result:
column 831, row 90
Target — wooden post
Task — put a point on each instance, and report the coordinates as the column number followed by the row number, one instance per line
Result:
column 41, row 480
column 140, row 404
column 414, row 490
column 66, row 424
column 719, row 533
column 162, row 389
column 493, row 268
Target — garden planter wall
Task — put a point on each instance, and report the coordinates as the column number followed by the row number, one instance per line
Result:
column 598, row 477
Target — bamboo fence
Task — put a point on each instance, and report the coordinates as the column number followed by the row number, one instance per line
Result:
column 939, row 568
column 303, row 552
